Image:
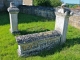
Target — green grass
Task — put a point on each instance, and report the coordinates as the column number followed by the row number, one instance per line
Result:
column 34, row 24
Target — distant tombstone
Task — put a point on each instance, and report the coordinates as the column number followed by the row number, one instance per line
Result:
column 13, row 13
column 28, row 2
column 62, row 18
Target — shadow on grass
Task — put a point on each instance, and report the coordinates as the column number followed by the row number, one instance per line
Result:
column 26, row 18
column 72, row 42
column 4, row 18
column 22, row 18
column 24, row 32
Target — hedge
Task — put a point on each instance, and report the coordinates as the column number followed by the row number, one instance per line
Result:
column 53, row 3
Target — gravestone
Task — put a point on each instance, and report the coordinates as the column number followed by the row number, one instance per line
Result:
column 13, row 13
column 62, row 18
column 32, row 44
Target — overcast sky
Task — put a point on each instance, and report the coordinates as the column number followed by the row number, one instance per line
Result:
column 71, row 1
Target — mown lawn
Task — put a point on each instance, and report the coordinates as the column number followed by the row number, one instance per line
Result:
column 32, row 24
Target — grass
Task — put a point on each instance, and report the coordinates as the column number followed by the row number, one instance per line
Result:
column 34, row 24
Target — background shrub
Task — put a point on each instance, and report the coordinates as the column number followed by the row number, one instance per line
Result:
column 53, row 3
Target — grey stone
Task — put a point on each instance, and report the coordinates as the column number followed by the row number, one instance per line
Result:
column 32, row 44
column 39, row 11
column 13, row 8
column 13, row 13
column 61, row 24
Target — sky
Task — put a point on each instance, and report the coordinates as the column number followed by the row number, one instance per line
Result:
column 71, row 1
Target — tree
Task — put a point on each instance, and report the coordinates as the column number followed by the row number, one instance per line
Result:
column 53, row 3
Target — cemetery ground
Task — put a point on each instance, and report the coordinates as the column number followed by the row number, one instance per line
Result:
column 33, row 24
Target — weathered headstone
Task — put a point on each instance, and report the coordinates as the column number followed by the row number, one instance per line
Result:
column 62, row 18
column 13, row 13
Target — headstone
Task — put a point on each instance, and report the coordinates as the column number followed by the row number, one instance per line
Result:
column 13, row 13
column 61, row 24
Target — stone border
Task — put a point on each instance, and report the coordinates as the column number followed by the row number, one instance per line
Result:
column 32, row 44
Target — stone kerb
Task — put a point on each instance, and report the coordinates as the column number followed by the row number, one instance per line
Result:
column 32, row 44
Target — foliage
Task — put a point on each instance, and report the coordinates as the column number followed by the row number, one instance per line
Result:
column 75, row 6
column 72, row 5
column 32, row 24
column 53, row 3
column 42, row 3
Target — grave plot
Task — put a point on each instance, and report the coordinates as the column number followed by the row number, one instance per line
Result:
column 32, row 44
